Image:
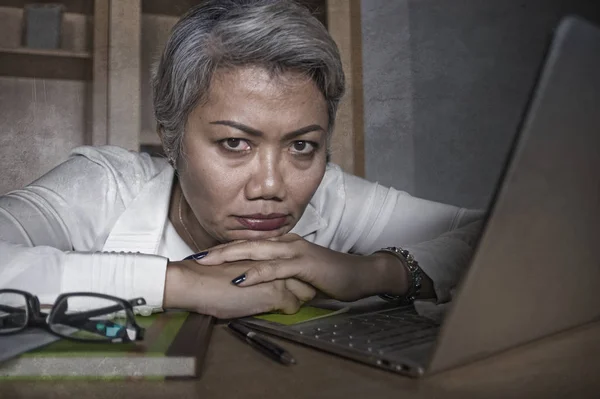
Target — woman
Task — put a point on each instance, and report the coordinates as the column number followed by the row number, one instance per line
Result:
column 245, row 98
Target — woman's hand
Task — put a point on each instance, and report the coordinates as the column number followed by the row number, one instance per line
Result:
column 339, row 275
column 208, row 290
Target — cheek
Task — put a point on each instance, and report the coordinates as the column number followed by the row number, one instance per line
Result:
column 302, row 184
column 211, row 183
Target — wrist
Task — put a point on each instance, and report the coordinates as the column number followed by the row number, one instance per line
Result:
column 418, row 284
column 172, row 276
column 183, row 289
column 179, row 292
column 391, row 274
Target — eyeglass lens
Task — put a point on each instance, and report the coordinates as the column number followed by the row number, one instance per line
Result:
column 92, row 318
column 13, row 312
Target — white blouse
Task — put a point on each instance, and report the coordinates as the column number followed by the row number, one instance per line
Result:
column 99, row 223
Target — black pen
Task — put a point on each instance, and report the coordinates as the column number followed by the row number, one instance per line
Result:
column 261, row 343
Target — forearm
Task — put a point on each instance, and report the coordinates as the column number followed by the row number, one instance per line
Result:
column 389, row 275
column 122, row 274
column 47, row 272
column 37, row 270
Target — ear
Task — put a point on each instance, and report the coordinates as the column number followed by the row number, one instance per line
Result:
column 159, row 131
column 169, row 156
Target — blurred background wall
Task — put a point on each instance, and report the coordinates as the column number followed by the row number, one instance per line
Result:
column 445, row 86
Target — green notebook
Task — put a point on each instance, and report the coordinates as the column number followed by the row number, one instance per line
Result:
column 174, row 346
column 305, row 313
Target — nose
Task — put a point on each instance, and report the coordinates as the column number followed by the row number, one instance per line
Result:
column 266, row 180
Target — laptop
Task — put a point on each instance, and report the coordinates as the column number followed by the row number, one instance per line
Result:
column 536, row 268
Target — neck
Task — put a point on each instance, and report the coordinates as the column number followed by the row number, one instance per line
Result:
column 185, row 222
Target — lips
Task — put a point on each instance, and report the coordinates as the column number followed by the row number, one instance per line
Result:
column 261, row 222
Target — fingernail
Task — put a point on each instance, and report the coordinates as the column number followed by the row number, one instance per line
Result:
column 239, row 279
column 197, row 256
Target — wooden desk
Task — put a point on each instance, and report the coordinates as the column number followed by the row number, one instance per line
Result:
column 565, row 365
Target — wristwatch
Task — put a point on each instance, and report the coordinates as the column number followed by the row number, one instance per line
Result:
column 415, row 276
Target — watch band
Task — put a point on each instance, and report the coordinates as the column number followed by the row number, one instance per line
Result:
column 415, row 276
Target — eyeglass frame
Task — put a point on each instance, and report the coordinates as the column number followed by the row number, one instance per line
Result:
column 37, row 318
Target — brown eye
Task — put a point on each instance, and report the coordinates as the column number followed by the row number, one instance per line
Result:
column 301, row 147
column 235, row 145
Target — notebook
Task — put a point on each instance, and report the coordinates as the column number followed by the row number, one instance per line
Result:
column 174, row 346
column 535, row 268
column 32, row 338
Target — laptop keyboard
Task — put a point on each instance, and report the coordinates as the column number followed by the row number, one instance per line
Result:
column 379, row 333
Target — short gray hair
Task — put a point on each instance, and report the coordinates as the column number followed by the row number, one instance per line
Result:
column 279, row 35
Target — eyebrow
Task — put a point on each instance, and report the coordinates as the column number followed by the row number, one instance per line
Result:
column 258, row 133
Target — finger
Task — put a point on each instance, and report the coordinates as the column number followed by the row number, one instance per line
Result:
column 199, row 255
column 270, row 271
column 250, row 250
column 304, row 292
column 291, row 305
column 286, row 301
column 227, row 244
column 289, row 237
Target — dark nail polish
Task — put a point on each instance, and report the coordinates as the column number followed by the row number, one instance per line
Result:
column 197, row 256
column 239, row 279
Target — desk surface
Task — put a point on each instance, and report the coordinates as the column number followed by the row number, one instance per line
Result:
column 565, row 365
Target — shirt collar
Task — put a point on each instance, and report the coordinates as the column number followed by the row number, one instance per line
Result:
column 140, row 227
column 309, row 222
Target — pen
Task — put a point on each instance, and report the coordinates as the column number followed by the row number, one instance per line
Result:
column 261, row 343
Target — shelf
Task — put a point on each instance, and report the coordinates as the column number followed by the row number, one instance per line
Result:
column 174, row 8
column 74, row 6
column 47, row 52
column 178, row 7
column 45, row 63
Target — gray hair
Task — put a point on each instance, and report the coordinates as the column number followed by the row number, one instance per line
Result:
column 278, row 35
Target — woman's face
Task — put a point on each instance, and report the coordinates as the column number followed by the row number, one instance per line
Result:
column 254, row 154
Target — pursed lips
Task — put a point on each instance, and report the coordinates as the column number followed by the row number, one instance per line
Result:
column 262, row 222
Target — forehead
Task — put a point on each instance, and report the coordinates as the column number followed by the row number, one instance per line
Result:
column 254, row 89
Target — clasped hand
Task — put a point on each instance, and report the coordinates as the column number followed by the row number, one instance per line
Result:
column 279, row 274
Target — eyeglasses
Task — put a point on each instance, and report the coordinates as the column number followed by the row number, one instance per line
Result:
column 78, row 316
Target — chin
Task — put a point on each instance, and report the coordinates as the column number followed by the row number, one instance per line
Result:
column 235, row 235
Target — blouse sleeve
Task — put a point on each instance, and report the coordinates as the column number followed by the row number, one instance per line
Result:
column 51, row 231
column 441, row 237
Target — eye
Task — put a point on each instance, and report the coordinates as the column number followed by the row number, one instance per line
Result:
column 304, row 147
column 235, row 145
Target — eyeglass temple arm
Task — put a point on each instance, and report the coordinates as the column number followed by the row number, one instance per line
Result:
column 80, row 316
column 6, row 308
